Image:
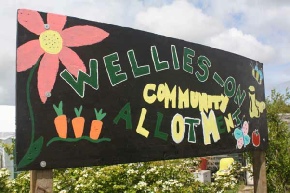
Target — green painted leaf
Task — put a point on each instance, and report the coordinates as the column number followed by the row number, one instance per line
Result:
column 99, row 115
column 78, row 111
column 32, row 153
column 58, row 110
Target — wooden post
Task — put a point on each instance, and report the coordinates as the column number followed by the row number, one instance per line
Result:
column 259, row 169
column 41, row 181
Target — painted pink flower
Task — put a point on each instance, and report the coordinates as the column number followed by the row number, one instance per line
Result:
column 54, row 43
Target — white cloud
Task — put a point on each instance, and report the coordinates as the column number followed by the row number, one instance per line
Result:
column 180, row 20
column 115, row 12
column 235, row 41
column 262, row 19
column 253, row 16
column 266, row 20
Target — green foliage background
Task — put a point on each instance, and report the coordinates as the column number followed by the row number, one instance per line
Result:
column 161, row 176
column 278, row 152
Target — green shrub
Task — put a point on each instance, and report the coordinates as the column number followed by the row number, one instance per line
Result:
column 4, row 180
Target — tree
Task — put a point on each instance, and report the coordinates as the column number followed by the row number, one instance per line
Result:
column 8, row 148
column 278, row 152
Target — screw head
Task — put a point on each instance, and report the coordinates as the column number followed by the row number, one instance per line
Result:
column 43, row 164
column 46, row 26
column 48, row 94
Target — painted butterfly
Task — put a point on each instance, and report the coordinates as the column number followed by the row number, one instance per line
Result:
column 241, row 135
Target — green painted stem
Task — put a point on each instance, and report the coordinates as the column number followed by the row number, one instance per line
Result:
column 35, row 147
column 31, row 114
column 78, row 139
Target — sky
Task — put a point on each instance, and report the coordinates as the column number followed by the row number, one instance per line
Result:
column 257, row 29
column 8, row 119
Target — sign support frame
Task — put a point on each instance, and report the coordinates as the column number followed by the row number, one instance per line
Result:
column 259, row 170
column 41, row 181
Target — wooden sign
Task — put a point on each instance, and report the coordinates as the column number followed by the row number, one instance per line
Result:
column 90, row 93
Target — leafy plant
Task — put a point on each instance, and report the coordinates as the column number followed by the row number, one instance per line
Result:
column 4, row 180
column 231, row 179
column 278, row 152
column 9, row 148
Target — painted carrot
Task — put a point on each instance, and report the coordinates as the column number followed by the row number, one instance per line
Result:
column 78, row 122
column 96, row 126
column 60, row 121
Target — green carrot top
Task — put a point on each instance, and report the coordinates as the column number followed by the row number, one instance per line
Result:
column 58, row 109
column 78, row 111
column 99, row 115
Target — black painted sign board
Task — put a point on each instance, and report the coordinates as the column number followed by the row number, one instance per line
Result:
column 90, row 93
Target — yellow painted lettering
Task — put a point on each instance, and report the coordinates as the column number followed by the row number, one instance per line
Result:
column 140, row 129
column 149, row 99
column 209, row 126
column 161, row 92
column 171, row 96
column 229, row 122
column 194, row 99
column 177, row 128
column 202, row 100
column 213, row 102
column 183, row 98
column 224, row 104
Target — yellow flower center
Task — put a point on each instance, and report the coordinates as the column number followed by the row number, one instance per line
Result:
column 50, row 41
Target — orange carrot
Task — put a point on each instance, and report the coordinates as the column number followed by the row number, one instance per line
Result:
column 60, row 122
column 61, row 126
column 96, row 126
column 78, row 122
column 78, row 126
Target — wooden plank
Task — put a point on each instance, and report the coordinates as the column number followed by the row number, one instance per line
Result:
column 32, row 180
column 259, row 169
column 41, row 181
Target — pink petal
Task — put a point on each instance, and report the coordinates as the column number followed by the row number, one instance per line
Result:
column 28, row 54
column 56, row 22
column 71, row 61
column 47, row 74
column 82, row 35
column 31, row 20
